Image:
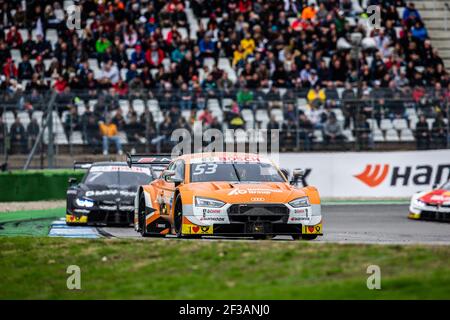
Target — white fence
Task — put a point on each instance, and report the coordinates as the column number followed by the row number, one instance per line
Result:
column 370, row 174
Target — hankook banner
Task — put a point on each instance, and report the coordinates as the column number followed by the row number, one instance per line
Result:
column 371, row 174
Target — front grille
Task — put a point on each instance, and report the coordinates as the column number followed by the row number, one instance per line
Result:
column 433, row 215
column 258, row 212
column 435, row 205
column 110, row 217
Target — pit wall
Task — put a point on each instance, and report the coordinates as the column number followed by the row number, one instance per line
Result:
column 370, row 175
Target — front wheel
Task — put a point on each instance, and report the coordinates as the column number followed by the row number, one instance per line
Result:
column 309, row 236
column 178, row 217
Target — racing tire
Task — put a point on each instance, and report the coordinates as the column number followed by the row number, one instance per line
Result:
column 260, row 237
column 178, row 217
column 309, row 236
column 178, row 221
column 141, row 216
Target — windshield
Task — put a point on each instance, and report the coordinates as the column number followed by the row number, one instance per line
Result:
column 446, row 186
column 118, row 175
column 235, row 172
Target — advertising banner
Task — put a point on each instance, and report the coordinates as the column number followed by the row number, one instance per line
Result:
column 371, row 174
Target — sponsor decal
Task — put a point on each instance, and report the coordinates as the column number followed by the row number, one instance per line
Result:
column 76, row 219
column 206, row 211
column 160, row 225
column 194, row 229
column 121, row 169
column 298, row 219
column 108, row 208
column 256, row 191
column 420, row 175
column 81, row 211
column 72, row 191
column 374, row 177
column 317, row 229
column 212, row 219
column 99, row 193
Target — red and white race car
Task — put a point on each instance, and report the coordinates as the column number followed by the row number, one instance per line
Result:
column 431, row 205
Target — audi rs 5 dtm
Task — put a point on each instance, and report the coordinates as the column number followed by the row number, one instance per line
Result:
column 229, row 194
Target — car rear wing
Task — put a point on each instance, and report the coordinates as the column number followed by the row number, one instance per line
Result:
column 149, row 159
column 82, row 165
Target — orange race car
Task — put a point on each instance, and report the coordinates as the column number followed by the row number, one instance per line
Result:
column 226, row 194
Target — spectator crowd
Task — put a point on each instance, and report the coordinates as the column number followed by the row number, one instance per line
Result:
column 257, row 54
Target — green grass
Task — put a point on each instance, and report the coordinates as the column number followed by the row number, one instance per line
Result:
column 35, row 268
column 28, row 223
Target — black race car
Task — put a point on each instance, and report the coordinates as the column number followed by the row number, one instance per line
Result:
column 105, row 196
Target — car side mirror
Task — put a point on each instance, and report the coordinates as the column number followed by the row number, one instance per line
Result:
column 167, row 174
column 297, row 175
column 73, row 181
column 170, row 176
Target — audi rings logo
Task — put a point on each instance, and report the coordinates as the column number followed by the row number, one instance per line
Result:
column 257, row 199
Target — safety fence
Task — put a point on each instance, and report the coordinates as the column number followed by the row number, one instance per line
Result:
column 49, row 125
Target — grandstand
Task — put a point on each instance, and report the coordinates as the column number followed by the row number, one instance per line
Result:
column 316, row 70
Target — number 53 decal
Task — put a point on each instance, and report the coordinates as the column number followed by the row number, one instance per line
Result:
column 205, row 168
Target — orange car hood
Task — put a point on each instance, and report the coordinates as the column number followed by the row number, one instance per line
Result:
column 270, row 192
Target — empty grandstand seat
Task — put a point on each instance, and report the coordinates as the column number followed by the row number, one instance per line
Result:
column 392, row 135
column 413, row 121
column 122, row 137
column 400, row 124
column 92, row 103
column 247, row 115
column 406, row 135
column 229, row 136
column 218, row 114
column 23, row 33
column 76, row 137
column 372, row 123
column 348, row 134
column 277, row 114
column 183, row 32
column 51, row 35
column 16, row 56
column 138, row 106
column 386, row 124
column 339, row 114
column 227, row 102
column 186, row 114
column 378, row 135
column 249, row 125
column 209, row 62
column 241, row 136
column 261, row 115
column 318, row 135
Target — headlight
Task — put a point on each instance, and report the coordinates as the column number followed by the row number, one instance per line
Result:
column 209, row 203
column 418, row 203
column 83, row 202
column 300, row 202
